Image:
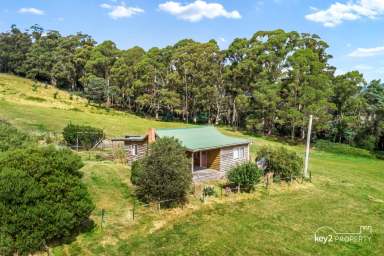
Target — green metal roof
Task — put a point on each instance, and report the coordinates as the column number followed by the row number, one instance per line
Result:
column 200, row 138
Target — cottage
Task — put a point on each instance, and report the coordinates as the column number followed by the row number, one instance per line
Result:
column 206, row 147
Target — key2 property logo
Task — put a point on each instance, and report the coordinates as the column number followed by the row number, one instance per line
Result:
column 326, row 235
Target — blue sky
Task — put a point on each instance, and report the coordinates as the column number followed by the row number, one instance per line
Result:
column 354, row 29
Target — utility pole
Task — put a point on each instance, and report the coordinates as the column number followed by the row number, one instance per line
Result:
column 307, row 148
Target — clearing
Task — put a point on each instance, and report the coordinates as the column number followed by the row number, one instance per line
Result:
column 346, row 193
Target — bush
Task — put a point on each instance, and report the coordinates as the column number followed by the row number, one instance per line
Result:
column 166, row 173
column 209, row 191
column 379, row 155
column 136, row 170
column 86, row 136
column 343, row 149
column 11, row 138
column 284, row 164
column 246, row 175
column 42, row 198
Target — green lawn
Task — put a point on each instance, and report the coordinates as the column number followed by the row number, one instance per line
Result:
column 345, row 193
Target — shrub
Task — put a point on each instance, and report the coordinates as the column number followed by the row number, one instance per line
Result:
column 86, row 136
column 209, row 191
column 11, row 138
column 343, row 149
column 246, row 175
column 379, row 155
column 42, row 198
column 281, row 162
column 166, row 173
column 136, row 170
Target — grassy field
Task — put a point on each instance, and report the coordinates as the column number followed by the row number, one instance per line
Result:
column 346, row 193
column 37, row 110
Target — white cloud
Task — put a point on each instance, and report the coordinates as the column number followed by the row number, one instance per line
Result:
column 31, row 10
column 121, row 10
column 363, row 67
column 337, row 13
column 367, row 52
column 198, row 10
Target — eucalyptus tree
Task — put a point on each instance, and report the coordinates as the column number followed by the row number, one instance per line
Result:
column 14, row 46
column 41, row 57
column 100, row 63
column 199, row 76
column 152, row 86
column 66, row 69
column 374, row 96
column 123, row 75
column 269, row 52
column 307, row 88
column 349, row 106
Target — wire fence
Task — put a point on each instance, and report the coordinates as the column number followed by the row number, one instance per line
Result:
column 200, row 194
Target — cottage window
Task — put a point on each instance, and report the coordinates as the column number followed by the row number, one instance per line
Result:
column 235, row 153
column 134, row 150
column 238, row 153
column 241, row 153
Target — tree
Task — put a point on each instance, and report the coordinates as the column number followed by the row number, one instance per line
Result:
column 246, row 176
column 41, row 58
column 82, row 135
column 156, row 95
column 95, row 88
column 42, row 198
column 11, row 138
column 14, row 46
column 69, row 66
column 281, row 162
column 306, row 91
column 374, row 96
column 100, row 63
column 123, row 75
column 349, row 105
column 166, row 173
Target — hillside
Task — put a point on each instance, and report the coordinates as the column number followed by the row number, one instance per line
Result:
column 36, row 107
column 346, row 192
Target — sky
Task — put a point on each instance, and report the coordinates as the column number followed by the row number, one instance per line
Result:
column 354, row 29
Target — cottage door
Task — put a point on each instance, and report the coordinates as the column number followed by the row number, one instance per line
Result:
column 203, row 159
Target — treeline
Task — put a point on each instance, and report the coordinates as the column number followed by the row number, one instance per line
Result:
column 268, row 84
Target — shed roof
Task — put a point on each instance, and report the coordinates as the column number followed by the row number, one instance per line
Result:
column 201, row 138
column 132, row 138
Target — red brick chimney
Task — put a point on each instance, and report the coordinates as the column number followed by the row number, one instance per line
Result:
column 151, row 135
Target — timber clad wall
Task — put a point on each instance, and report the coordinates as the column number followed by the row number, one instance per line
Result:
column 214, row 159
column 226, row 157
column 142, row 148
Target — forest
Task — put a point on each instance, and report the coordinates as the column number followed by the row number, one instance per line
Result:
column 268, row 84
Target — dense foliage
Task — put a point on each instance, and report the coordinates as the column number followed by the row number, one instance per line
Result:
column 338, row 148
column 283, row 163
column 268, row 84
column 11, row 138
column 165, row 174
column 82, row 135
column 136, row 171
column 42, row 198
column 246, row 176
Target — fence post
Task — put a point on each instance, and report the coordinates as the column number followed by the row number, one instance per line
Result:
column 238, row 188
column 133, row 210
column 77, row 141
column 221, row 192
column 102, row 218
